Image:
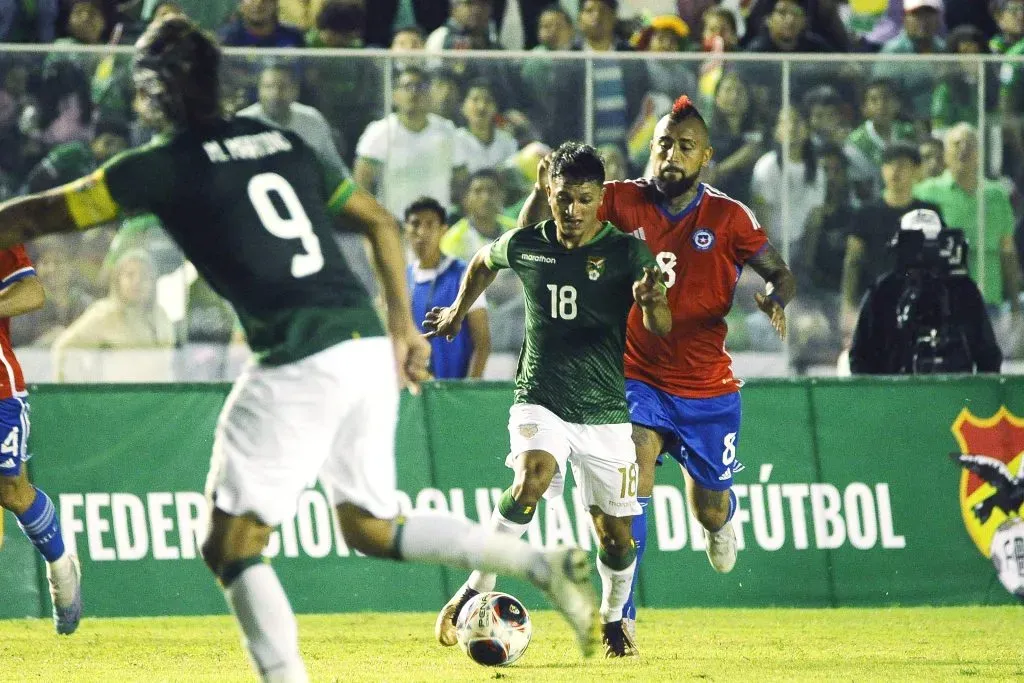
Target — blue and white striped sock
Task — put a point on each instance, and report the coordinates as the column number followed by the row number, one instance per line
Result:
column 42, row 527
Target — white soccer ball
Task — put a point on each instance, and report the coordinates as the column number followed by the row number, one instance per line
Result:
column 494, row 629
column 1007, row 552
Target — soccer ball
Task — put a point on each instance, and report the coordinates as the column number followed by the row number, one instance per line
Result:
column 1008, row 555
column 494, row 629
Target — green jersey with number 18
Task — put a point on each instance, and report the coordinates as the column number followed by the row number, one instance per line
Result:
column 252, row 207
column 577, row 302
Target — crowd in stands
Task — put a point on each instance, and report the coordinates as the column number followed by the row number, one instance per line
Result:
column 451, row 140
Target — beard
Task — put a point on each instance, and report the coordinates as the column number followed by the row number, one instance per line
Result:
column 675, row 188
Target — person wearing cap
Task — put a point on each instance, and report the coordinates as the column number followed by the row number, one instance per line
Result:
column 666, row 34
column 921, row 35
column 918, row 320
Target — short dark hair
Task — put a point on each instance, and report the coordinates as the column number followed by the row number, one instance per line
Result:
column 577, row 162
column 965, row 33
column 822, row 96
column 426, row 204
column 341, row 16
column 887, row 83
column 895, row 151
column 483, row 84
column 412, row 70
column 557, row 9
column 723, row 14
column 611, row 4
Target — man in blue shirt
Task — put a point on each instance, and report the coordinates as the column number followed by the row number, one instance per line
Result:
column 434, row 281
column 257, row 26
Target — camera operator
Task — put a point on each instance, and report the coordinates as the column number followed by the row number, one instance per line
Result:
column 926, row 315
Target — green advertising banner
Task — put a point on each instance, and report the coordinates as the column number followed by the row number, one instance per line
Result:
column 848, row 497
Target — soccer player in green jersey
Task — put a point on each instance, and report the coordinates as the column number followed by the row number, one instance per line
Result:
column 580, row 277
column 250, row 206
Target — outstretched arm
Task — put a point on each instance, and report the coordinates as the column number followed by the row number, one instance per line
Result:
column 780, row 286
column 26, row 218
column 447, row 321
column 24, row 296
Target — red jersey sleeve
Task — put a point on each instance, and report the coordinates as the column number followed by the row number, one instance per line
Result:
column 606, row 212
column 14, row 265
column 747, row 236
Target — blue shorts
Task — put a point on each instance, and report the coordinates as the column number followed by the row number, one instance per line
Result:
column 13, row 436
column 701, row 433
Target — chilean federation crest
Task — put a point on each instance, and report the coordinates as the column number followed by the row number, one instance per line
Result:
column 992, row 481
column 595, row 266
column 703, row 239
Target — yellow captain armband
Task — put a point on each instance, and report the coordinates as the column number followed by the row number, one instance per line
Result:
column 89, row 201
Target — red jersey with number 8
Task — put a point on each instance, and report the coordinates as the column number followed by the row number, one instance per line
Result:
column 15, row 265
column 701, row 250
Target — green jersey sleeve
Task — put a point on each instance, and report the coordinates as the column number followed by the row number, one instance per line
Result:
column 497, row 255
column 140, row 179
column 338, row 185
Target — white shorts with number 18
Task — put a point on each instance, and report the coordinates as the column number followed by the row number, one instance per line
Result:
column 603, row 457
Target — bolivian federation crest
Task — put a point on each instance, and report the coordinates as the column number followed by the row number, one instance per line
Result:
column 595, row 266
column 992, row 480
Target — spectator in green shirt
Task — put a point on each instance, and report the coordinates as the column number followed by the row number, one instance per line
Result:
column 73, row 160
column 1009, row 15
column 866, row 144
column 956, row 193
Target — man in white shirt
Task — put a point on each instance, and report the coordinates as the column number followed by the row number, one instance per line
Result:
column 481, row 143
column 410, row 153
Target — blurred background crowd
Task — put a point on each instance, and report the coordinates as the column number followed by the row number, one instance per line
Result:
column 829, row 150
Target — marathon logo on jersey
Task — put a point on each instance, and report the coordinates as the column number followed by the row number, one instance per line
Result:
column 538, row 258
column 595, row 266
column 703, row 239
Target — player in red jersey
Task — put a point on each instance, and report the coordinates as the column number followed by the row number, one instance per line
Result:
column 683, row 397
column 20, row 293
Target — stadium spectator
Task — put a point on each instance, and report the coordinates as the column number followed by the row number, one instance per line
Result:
column 434, row 281
column 483, row 223
column 736, row 136
column 481, row 142
column 210, row 14
column 257, row 25
column 956, row 192
column 875, row 222
column 1010, row 41
column 921, row 35
column 865, row 145
column 338, row 24
column 553, row 88
column 390, row 16
column 445, row 95
column 804, row 183
column 933, row 158
column 28, row 21
column 818, row 265
column 821, row 16
column 972, row 13
column 128, row 318
column 468, row 28
column 786, row 29
column 72, row 160
column 619, row 86
column 63, row 108
column 955, row 98
column 410, row 153
column 720, row 34
column 826, row 116
column 694, row 13
column 278, row 106
column 666, row 34
column 67, row 294
column 408, row 39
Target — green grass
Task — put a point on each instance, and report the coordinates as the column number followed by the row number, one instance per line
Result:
column 981, row 643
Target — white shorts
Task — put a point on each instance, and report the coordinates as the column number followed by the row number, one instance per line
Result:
column 603, row 457
column 331, row 415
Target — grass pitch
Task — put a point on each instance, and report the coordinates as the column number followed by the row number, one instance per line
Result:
column 981, row 643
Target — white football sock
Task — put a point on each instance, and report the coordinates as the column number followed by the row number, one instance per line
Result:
column 483, row 582
column 270, row 633
column 443, row 539
column 615, row 585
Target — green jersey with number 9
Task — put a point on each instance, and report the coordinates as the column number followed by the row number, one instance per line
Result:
column 577, row 303
column 252, row 208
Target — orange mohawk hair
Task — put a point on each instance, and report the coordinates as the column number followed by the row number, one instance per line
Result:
column 680, row 106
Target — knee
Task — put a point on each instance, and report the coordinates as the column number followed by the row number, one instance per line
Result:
column 713, row 517
column 16, row 494
column 213, row 555
column 616, row 535
column 535, row 475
